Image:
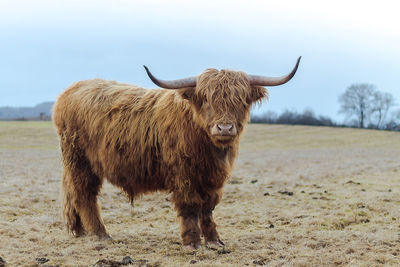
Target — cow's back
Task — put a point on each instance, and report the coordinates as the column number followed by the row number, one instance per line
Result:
column 84, row 100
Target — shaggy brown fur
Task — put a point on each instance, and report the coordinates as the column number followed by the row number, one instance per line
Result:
column 149, row 140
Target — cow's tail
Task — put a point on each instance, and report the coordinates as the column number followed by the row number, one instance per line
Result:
column 71, row 217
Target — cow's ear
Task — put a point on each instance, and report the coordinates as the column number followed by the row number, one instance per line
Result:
column 257, row 94
column 187, row 93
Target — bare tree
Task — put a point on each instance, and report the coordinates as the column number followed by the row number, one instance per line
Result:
column 357, row 101
column 394, row 122
column 382, row 102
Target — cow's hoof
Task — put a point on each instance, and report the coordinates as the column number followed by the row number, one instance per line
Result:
column 78, row 234
column 104, row 237
column 215, row 244
column 192, row 246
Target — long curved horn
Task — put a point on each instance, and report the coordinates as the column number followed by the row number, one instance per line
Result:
column 174, row 84
column 273, row 81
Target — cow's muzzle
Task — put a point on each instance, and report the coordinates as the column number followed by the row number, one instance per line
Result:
column 221, row 129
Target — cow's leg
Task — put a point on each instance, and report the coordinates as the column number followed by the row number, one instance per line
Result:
column 80, row 188
column 190, row 231
column 87, row 206
column 207, row 224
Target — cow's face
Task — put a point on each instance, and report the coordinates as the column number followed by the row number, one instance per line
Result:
column 221, row 103
column 221, row 100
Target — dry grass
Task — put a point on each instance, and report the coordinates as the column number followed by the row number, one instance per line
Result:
column 299, row 196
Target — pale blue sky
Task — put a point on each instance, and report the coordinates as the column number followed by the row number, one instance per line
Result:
column 45, row 45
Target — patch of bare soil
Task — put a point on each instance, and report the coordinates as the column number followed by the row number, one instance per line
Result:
column 299, row 196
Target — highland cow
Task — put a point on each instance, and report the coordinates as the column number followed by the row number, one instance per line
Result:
column 183, row 141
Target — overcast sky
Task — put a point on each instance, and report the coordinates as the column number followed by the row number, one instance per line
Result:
column 45, row 45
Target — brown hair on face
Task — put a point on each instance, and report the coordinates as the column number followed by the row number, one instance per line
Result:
column 223, row 97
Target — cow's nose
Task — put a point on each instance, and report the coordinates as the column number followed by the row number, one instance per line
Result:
column 226, row 129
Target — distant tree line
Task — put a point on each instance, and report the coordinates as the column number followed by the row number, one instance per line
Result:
column 363, row 105
column 308, row 117
column 41, row 111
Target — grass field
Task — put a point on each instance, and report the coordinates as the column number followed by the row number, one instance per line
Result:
column 299, row 196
